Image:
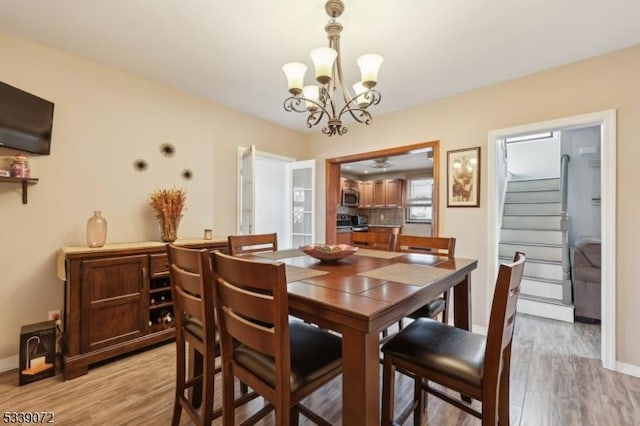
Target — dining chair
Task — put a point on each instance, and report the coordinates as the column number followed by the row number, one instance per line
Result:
column 240, row 244
column 284, row 361
column 439, row 246
column 374, row 240
column 193, row 303
column 458, row 359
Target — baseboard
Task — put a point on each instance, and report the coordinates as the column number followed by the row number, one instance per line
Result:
column 8, row 364
column 545, row 310
column 628, row 369
column 479, row 329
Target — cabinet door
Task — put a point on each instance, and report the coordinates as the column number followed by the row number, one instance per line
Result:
column 394, row 192
column 379, row 193
column 343, row 238
column 366, row 196
column 115, row 303
column 346, row 183
column 343, row 183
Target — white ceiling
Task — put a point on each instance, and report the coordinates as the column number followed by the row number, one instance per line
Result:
column 231, row 52
column 410, row 161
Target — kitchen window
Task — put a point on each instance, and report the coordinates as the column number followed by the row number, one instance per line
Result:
column 419, row 200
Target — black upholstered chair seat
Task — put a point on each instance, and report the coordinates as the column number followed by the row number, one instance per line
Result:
column 314, row 353
column 430, row 310
column 194, row 326
column 447, row 350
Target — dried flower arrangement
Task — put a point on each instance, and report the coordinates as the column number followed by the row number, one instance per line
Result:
column 168, row 204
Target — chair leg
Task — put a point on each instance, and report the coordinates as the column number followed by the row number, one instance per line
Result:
column 283, row 410
column 195, row 369
column 180, row 380
column 208, row 390
column 418, row 397
column 294, row 415
column 228, row 414
column 503, row 389
column 445, row 313
column 388, row 391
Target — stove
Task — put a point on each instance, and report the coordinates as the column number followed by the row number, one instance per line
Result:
column 359, row 223
column 343, row 223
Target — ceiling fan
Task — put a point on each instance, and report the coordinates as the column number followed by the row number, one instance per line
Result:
column 381, row 163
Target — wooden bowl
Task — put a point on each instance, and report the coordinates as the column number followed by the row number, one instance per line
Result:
column 329, row 252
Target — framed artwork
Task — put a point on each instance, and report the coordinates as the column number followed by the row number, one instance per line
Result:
column 463, row 177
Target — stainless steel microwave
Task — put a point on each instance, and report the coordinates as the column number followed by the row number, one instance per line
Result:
column 350, row 197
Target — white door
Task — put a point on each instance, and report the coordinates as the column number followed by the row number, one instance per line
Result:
column 301, row 203
column 246, row 190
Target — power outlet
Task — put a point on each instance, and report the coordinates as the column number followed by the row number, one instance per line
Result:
column 54, row 315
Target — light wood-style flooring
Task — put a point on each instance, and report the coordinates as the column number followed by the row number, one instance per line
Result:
column 556, row 379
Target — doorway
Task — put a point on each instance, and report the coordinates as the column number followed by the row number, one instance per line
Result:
column 276, row 194
column 333, row 181
column 606, row 120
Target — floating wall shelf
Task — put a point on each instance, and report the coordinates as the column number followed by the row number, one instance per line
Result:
column 25, row 183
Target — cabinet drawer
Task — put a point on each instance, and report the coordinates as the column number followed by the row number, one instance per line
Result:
column 158, row 265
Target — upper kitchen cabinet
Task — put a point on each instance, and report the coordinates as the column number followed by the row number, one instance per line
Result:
column 379, row 193
column 394, row 192
column 366, row 194
column 346, row 183
column 388, row 192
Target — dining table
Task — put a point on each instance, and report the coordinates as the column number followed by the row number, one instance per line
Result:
column 363, row 294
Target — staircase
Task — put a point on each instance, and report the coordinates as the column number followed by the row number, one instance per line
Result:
column 533, row 223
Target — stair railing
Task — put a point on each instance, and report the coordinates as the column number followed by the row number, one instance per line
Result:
column 564, row 225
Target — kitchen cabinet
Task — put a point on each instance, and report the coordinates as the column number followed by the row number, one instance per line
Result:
column 117, row 300
column 394, row 192
column 366, row 194
column 343, row 237
column 346, row 183
column 387, row 193
column 379, row 193
column 388, row 229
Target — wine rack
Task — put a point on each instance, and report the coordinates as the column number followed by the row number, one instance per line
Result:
column 160, row 305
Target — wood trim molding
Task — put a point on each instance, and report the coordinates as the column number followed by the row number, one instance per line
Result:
column 332, row 167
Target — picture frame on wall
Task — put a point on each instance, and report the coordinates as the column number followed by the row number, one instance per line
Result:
column 463, row 177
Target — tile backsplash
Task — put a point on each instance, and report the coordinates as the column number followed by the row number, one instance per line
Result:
column 376, row 216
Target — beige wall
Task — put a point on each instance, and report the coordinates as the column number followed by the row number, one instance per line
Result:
column 104, row 120
column 606, row 82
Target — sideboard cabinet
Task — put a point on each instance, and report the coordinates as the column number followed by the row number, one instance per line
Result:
column 117, row 300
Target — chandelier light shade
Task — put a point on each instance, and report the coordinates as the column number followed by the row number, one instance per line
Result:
column 322, row 100
column 295, row 76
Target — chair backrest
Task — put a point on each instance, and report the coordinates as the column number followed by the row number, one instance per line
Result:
column 252, row 308
column 239, row 244
column 374, row 240
column 502, row 321
column 192, row 290
column 440, row 246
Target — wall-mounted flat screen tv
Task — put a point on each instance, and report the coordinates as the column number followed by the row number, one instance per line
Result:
column 26, row 121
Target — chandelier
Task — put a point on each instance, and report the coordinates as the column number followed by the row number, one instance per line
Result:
column 321, row 100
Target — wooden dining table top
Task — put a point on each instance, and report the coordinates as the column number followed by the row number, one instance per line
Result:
column 370, row 303
column 361, row 295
